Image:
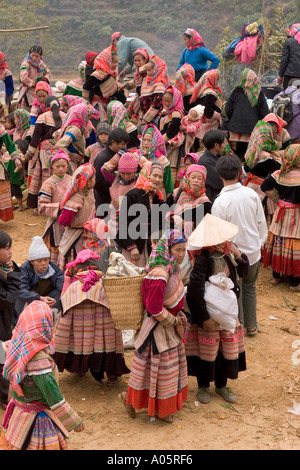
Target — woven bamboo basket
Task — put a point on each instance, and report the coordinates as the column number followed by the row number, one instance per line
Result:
column 124, row 297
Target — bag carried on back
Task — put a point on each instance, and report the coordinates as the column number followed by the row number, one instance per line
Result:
column 282, row 106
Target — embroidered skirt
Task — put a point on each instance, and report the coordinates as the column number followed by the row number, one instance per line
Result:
column 158, row 382
column 204, row 348
column 86, row 339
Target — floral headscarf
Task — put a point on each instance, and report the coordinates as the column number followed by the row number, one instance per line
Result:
column 177, row 101
column 22, row 121
column 291, row 160
column 137, row 75
column 78, row 181
column 143, row 181
column 79, row 116
column 117, row 115
column 72, row 100
column 103, row 61
column 185, row 75
column 261, row 139
column 251, row 86
column 195, row 39
column 33, row 333
column 160, row 255
column 186, row 187
column 157, row 147
column 209, row 80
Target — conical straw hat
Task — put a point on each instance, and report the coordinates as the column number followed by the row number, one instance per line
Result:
column 210, row 232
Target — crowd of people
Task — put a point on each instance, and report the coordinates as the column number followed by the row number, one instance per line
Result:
column 224, row 177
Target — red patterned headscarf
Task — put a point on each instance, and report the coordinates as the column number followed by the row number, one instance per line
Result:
column 185, row 75
column 271, row 117
column 160, row 72
column 103, row 61
column 209, row 79
column 78, row 181
column 33, row 333
column 79, row 116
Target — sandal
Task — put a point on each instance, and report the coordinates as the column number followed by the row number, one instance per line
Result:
column 252, row 332
column 129, row 408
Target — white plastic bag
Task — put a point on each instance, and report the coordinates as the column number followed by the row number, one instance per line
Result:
column 221, row 301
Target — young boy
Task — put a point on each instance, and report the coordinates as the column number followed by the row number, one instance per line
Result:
column 41, row 279
column 9, row 291
column 102, row 131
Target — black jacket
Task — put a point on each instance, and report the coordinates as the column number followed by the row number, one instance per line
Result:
column 29, row 279
column 290, row 59
column 242, row 118
column 101, row 188
column 202, row 270
column 213, row 183
column 124, row 237
column 9, row 292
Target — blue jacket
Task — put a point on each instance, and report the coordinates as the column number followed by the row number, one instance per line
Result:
column 29, row 278
column 198, row 58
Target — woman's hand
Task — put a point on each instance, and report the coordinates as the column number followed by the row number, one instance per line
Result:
column 49, row 301
column 235, row 251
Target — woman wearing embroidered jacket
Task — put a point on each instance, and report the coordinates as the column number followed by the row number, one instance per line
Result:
column 169, row 126
column 41, row 146
column 152, row 89
column 208, row 93
column 189, row 200
column 22, row 129
column 78, row 347
column 185, row 82
column 33, row 69
column 282, row 250
column 74, row 130
column 101, row 86
column 42, row 91
column 152, row 150
column 77, row 207
column 158, row 378
column 38, row 417
column 50, row 198
column 263, row 156
column 213, row 353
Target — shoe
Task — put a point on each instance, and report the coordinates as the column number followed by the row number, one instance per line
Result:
column 226, row 393
column 252, row 332
column 295, row 287
column 203, row 395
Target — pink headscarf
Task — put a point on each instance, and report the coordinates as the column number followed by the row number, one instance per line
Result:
column 177, row 102
column 195, row 39
column 42, row 85
column 58, row 155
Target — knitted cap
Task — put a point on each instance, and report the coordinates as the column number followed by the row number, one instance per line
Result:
column 38, row 249
column 128, row 163
column 199, row 110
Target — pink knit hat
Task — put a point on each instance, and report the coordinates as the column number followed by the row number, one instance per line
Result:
column 59, row 154
column 199, row 168
column 128, row 163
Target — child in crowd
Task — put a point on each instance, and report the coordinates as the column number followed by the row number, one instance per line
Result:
column 50, row 198
column 102, row 132
column 10, row 124
column 9, row 291
column 41, row 279
column 189, row 128
column 189, row 159
column 17, row 178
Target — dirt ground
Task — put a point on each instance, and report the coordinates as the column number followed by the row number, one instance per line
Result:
column 268, row 391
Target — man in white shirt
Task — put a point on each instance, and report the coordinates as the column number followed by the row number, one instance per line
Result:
column 242, row 206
